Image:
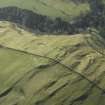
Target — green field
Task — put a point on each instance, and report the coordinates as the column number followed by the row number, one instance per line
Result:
column 50, row 70
column 67, row 10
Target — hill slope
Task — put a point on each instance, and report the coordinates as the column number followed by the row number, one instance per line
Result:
column 62, row 70
column 44, row 82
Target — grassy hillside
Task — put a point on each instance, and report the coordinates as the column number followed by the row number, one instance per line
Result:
column 50, row 70
column 53, row 8
column 42, row 81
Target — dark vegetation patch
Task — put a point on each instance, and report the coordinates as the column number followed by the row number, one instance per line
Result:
column 35, row 22
column 41, row 24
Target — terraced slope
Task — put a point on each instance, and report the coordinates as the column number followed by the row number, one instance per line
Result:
column 64, row 70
